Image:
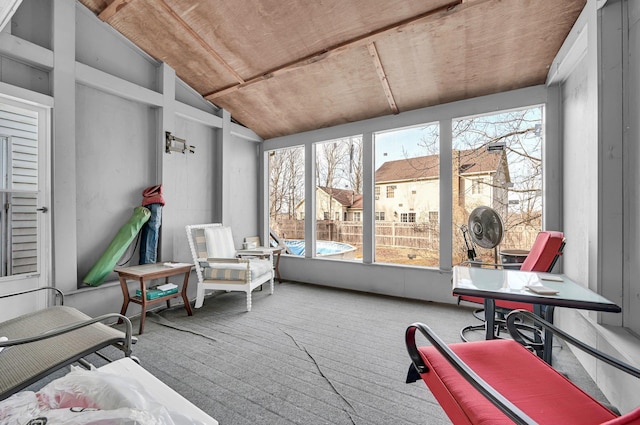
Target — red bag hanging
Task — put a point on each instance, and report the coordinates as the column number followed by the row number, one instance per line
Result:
column 152, row 195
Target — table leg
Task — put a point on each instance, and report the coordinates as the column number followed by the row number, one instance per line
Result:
column 185, row 299
column 548, row 336
column 166, row 280
column 489, row 318
column 143, row 314
column 277, row 270
column 125, row 294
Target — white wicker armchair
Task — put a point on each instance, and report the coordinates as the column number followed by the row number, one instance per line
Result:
column 219, row 267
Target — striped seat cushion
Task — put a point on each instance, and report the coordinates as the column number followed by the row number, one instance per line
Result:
column 259, row 267
column 224, row 274
column 235, row 271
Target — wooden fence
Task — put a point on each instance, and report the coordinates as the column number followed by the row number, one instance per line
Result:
column 393, row 234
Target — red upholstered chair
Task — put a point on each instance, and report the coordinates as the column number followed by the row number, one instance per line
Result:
column 542, row 257
column 500, row 381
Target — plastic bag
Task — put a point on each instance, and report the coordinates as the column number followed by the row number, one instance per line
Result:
column 122, row 416
column 89, row 398
column 85, row 388
column 19, row 408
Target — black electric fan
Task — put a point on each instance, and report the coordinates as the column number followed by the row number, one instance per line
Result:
column 485, row 230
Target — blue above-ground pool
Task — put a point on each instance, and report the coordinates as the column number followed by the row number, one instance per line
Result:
column 327, row 249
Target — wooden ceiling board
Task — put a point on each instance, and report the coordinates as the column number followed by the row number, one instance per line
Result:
column 471, row 52
column 96, row 6
column 312, row 97
column 152, row 28
column 256, row 36
column 285, row 66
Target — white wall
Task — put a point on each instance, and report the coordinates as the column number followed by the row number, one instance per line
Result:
column 109, row 188
column 112, row 105
column 600, row 95
column 241, row 206
column 187, row 183
column 580, row 155
column 632, row 174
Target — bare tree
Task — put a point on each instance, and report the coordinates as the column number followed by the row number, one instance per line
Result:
column 519, row 132
column 339, row 164
column 276, row 183
column 295, row 181
column 286, row 178
column 355, row 164
column 329, row 158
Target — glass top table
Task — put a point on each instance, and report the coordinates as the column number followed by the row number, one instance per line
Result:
column 511, row 285
column 514, row 285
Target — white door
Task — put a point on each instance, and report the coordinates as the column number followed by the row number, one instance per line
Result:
column 24, row 208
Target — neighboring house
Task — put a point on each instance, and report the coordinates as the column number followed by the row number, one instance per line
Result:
column 335, row 204
column 407, row 190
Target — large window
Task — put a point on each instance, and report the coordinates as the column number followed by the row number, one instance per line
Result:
column 407, row 166
column 497, row 163
column 286, row 196
column 339, row 198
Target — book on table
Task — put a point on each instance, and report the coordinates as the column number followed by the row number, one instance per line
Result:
column 166, row 286
column 154, row 293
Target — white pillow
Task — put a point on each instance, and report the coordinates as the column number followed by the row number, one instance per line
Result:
column 219, row 242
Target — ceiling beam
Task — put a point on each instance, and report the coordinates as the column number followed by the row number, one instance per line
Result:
column 359, row 41
column 112, row 9
column 373, row 51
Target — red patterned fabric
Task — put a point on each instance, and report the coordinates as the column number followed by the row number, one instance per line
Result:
column 523, row 378
column 152, row 195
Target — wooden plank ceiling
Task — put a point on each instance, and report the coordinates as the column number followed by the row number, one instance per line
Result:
column 285, row 66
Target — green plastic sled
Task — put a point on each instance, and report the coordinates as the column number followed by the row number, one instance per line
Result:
column 117, row 247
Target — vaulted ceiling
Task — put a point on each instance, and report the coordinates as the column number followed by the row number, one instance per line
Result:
column 286, row 66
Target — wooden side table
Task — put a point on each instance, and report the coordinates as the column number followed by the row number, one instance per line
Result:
column 147, row 272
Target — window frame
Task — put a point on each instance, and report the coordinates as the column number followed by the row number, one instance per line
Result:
column 477, row 186
column 442, row 115
column 390, row 191
column 407, row 217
